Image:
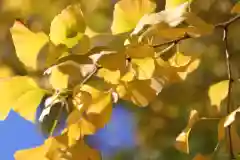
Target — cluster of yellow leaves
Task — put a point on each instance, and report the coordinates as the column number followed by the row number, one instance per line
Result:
column 97, row 75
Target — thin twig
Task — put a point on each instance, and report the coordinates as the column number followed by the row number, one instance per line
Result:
column 230, row 85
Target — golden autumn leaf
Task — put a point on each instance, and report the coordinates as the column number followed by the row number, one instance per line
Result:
column 22, row 94
column 226, row 122
column 140, row 51
column 55, row 148
column 79, row 129
column 218, row 92
column 236, row 8
column 140, row 92
column 182, row 139
column 179, row 60
column 189, row 69
column 109, row 76
column 170, row 17
column 69, row 73
column 68, row 27
column 144, row 67
column 6, row 71
column 127, row 13
column 175, row 3
column 203, row 27
column 22, row 38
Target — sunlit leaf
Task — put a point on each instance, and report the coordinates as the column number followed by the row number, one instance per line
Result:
column 109, row 76
column 22, row 94
column 202, row 157
column 58, row 148
column 140, row 51
column 69, row 73
column 127, row 13
column 226, row 122
column 179, row 60
column 236, row 8
column 182, row 143
column 68, row 27
column 218, row 92
column 140, row 92
column 77, row 130
column 172, row 17
column 144, row 67
column 28, row 45
column 189, row 69
column 202, row 26
column 175, row 3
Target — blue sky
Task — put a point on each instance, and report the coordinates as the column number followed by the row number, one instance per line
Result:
column 17, row 133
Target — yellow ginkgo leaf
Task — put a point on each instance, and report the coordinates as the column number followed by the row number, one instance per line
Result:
column 27, row 154
column 68, row 27
column 6, row 71
column 22, row 94
column 127, row 13
column 174, row 3
column 218, row 92
column 236, row 8
column 189, row 69
column 179, row 60
column 140, row 51
column 109, row 76
column 144, row 67
column 182, row 143
column 100, row 111
column 69, row 74
column 140, row 92
column 78, row 130
column 28, row 45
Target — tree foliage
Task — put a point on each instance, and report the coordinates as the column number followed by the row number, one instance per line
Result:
column 84, row 72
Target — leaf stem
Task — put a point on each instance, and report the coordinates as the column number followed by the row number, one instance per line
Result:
column 56, row 121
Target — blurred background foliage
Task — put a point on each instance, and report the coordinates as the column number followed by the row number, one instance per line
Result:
column 154, row 128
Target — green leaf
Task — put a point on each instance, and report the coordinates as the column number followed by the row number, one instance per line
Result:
column 68, row 27
column 28, row 45
column 127, row 13
column 22, row 94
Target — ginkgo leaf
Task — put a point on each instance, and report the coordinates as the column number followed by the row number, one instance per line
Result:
column 179, row 60
column 22, row 94
column 6, row 71
column 202, row 26
column 144, row 67
column 202, row 157
column 182, row 143
column 27, row 154
column 140, row 51
column 55, row 148
column 82, row 47
column 171, row 17
column 68, row 27
column 77, row 130
column 189, row 69
column 108, row 60
column 100, row 111
column 218, row 92
column 22, row 38
column 174, row 3
column 226, row 122
column 127, row 13
column 109, row 76
column 236, row 8
column 69, row 73
column 140, row 92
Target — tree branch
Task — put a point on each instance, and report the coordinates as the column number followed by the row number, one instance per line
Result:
column 230, row 84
